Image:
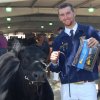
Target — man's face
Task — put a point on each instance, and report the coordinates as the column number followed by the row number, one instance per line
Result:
column 67, row 16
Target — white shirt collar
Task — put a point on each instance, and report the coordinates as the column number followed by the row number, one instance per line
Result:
column 67, row 30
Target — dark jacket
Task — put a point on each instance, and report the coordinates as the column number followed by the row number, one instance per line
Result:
column 68, row 48
column 3, row 44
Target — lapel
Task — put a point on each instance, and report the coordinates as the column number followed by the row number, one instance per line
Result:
column 64, row 37
column 80, row 31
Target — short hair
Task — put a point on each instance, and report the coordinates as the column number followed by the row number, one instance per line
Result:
column 64, row 5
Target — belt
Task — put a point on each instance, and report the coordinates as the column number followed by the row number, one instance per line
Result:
column 82, row 82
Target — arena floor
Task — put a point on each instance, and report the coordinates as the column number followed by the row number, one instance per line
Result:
column 56, row 90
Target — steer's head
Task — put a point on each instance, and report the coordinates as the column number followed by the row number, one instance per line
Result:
column 31, row 64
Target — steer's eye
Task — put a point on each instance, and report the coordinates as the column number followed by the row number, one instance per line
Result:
column 35, row 75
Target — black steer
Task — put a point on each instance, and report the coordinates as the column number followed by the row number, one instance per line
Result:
column 22, row 75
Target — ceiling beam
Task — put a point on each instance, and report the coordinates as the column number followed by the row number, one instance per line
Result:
column 29, row 11
column 97, row 7
column 83, row 3
column 8, row 4
column 58, row 3
column 34, row 1
column 8, row 1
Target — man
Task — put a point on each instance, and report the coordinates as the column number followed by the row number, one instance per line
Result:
column 98, row 95
column 3, row 44
column 42, row 42
column 76, row 84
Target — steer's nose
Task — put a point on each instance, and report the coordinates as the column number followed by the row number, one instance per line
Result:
column 39, row 76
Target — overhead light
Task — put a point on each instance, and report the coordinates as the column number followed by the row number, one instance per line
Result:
column 8, row 19
column 8, row 9
column 42, row 26
column 9, row 27
column 50, row 24
column 91, row 9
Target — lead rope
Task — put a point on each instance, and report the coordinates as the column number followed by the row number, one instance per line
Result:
column 66, row 72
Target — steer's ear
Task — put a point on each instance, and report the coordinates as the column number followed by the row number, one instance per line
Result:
column 9, row 65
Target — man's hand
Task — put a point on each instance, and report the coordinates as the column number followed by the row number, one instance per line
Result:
column 54, row 56
column 92, row 42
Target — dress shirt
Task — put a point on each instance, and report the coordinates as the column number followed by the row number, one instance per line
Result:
column 67, row 30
